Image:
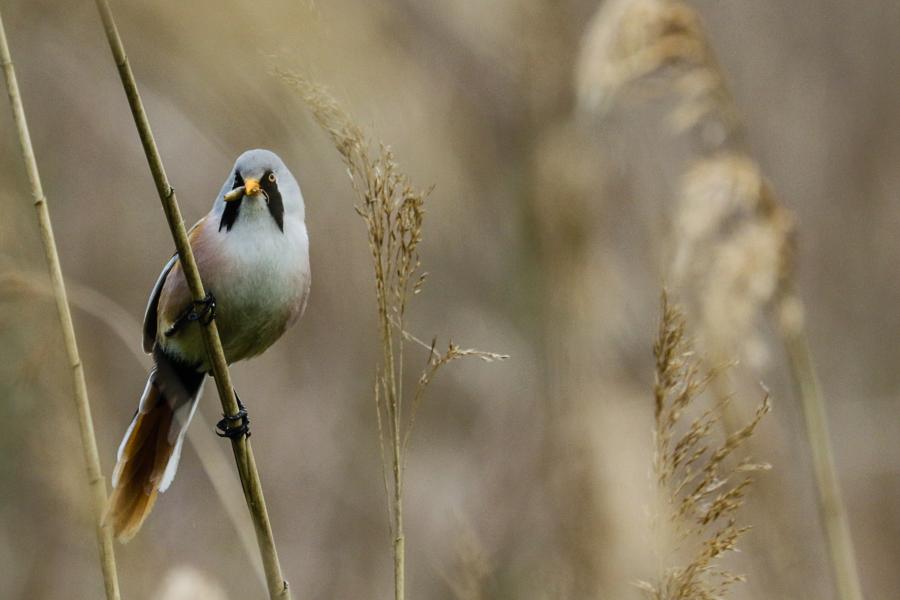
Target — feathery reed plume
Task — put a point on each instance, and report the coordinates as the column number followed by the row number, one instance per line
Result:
column 732, row 250
column 642, row 45
column 393, row 211
column 730, row 234
column 700, row 481
column 107, row 311
column 240, row 445
column 630, row 40
column 96, row 481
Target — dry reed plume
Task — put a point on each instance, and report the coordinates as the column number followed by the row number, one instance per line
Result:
column 733, row 240
column 733, row 250
column 700, row 480
column 393, row 211
column 96, row 481
column 654, row 47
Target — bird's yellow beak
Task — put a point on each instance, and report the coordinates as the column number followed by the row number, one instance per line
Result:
column 250, row 187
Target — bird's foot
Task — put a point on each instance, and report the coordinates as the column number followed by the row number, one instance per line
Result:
column 202, row 311
column 224, row 428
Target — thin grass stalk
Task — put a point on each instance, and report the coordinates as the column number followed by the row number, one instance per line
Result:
column 399, row 537
column 391, row 394
column 96, row 481
column 393, row 211
column 243, row 452
column 831, row 502
column 393, row 398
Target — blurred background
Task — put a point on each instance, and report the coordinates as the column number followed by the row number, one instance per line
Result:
column 548, row 237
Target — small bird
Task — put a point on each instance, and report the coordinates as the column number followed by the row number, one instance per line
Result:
column 252, row 250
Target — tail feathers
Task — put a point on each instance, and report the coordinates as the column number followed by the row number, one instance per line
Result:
column 149, row 453
column 143, row 457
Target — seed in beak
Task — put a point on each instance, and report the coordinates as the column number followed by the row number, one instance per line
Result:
column 235, row 194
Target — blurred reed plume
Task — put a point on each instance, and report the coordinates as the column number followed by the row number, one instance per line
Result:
column 731, row 239
column 470, row 577
column 96, row 481
column 700, row 480
column 393, row 211
column 732, row 236
column 629, row 42
column 732, row 251
column 187, row 583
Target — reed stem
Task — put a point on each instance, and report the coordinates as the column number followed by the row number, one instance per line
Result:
column 399, row 535
column 243, row 453
column 831, row 504
column 96, row 481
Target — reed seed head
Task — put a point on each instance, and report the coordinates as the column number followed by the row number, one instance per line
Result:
column 700, row 478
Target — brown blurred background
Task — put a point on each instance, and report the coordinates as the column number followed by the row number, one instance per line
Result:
column 543, row 241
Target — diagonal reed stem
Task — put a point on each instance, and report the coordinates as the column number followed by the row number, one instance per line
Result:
column 831, row 504
column 96, row 481
column 243, row 453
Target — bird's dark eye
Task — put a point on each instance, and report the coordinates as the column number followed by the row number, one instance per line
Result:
column 238, row 180
column 272, row 177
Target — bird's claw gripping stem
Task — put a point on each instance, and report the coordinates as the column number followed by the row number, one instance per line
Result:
column 224, row 427
column 201, row 311
column 204, row 310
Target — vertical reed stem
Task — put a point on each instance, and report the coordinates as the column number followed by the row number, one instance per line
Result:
column 399, row 537
column 243, row 453
column 96, row 481
column 393, row 404
column 831, row 504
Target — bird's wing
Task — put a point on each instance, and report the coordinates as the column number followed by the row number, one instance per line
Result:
column 150, row 315
column 152, row 304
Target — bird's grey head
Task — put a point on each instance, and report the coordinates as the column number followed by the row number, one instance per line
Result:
column 259, row 179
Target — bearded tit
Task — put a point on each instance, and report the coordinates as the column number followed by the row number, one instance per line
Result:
column 252, row 250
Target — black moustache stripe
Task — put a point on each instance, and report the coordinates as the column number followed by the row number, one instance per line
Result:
column 232, row 208
column 273, row 200
column 231, row 214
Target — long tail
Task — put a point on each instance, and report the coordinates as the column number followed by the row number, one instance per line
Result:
column 149, row 452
